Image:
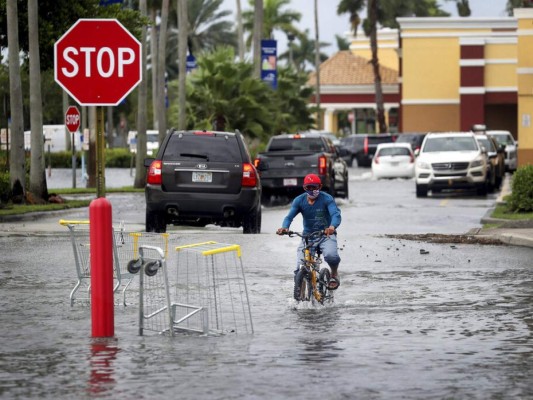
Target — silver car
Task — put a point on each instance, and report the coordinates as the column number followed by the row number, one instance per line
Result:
column 505, row 138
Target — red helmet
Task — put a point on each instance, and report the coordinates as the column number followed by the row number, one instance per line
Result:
column 312, row 179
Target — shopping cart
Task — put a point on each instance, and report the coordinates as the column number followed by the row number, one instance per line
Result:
column 204, row 291
column 125, row 247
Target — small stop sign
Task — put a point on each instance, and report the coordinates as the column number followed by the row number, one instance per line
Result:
column 98, row 62
column 72, row 119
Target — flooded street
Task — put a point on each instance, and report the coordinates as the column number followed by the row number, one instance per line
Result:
column 453, row 322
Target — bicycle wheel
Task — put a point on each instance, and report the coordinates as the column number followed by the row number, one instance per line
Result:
column 323, row 279
column 302, row 287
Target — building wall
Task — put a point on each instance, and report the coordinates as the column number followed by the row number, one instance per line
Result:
column 525, row 86
column 387, row 47
column 457, row 71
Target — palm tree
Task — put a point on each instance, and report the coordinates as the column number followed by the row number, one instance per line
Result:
column 17, row 163
column 304, row 51
column 161, row 54
column 183, row 24
column 372, row 18
column 208, row 27
column 37, row 167
column 352, row 7
column 317, row 63
column 274, row 18
column 140, row 170
column 257, row 29
column 240, row 34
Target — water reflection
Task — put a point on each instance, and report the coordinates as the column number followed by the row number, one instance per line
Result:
column 102, row 377
column 319, row 342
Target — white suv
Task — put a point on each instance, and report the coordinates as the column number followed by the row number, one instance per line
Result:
column 450, row 160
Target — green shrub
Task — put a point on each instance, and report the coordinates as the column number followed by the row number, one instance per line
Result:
column 5, row 189
column 118, row 158
column 521, row 198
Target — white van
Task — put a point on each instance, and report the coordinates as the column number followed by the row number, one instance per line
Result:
column 55, row 136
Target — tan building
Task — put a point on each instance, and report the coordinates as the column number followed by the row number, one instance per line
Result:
column 452, row 73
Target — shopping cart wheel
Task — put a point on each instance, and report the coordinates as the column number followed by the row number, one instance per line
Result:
column 151, row 267
column 134, row 266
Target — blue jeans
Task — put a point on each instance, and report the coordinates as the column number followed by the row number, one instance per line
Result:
column 329, row 251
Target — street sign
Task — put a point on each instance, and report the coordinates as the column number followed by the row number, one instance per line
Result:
column 98, row 62
column 72, row 119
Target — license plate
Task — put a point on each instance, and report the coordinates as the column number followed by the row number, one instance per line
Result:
column 394, row 164
column 202, row 177
column 290, row 182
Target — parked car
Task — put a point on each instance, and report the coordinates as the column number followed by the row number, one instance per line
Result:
column 200, row 178
column 414, row 139
column 288, row 158
column 453, row 160
column 361, row 147
column 496, row 164
column 393, row 160
column 506, row 139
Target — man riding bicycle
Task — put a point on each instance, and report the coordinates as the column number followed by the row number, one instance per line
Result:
column 319, row 212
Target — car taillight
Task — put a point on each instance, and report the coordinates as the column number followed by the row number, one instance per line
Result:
column 249, row 177
column 257, row 161
column 365, row 146
column 376, row 160
column 204, row 133
column 322, row 165
column 412, row 160
column 154, row 176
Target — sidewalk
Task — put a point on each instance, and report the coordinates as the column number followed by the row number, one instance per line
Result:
column 516, row 233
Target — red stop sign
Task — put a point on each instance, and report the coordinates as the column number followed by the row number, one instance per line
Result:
column 98, row 62
column 72, row 119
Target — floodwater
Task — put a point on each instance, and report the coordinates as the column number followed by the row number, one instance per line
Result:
column 455, row 323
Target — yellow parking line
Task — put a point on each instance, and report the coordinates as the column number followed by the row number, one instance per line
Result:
column 444, row 203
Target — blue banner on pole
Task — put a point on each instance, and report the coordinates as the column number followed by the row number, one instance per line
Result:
column 269, row 60
column 109, row 2
column 191, row 63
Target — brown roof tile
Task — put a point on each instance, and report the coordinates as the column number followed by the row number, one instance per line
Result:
column 345, row 68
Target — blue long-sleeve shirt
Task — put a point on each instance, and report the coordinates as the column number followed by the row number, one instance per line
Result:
column 318, row 216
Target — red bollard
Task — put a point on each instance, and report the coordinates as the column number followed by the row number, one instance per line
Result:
column 101, row 232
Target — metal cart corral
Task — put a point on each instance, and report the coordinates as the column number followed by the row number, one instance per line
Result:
column 204, row 291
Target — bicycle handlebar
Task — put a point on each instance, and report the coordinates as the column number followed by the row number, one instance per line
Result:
column 300, row 234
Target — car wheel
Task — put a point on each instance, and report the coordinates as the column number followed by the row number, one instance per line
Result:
column 155, row 222
column 345, row 189
column 421, row 190
column 265, row 197
column 350, row 162
column 482, row 190
column 252, row 222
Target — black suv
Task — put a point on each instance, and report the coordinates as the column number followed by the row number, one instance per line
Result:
column 362, row 147
column 200, row 178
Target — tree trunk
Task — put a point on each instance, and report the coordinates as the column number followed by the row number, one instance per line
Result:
column 153, row 58
column 17, row 163
column 240, row 35
column 161, row 55
column 38, row 186
column 183, row 23
column 258, row 33
column 317, row 69
column 380, row 110
column 140, row 170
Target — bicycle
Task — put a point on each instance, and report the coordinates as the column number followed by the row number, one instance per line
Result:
column 311, row 281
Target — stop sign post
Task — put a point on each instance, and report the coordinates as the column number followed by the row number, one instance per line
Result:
column 98, row 63
column 72, row 122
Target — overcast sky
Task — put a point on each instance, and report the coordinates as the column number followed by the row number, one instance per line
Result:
column 331, row 24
